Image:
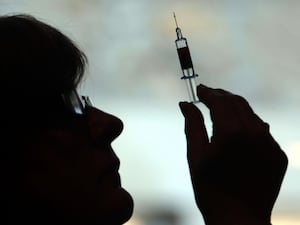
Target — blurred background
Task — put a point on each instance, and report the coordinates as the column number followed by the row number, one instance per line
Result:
column 247, row 47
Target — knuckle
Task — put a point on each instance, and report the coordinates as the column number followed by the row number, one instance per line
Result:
column 239, row 99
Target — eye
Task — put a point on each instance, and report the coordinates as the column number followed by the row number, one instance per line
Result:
column 74, row 103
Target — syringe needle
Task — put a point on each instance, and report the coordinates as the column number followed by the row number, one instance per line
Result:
column 175, row 19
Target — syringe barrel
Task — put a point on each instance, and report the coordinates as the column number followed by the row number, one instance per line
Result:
column 184, row 54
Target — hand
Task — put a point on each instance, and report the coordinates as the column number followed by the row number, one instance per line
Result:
column 237, row 173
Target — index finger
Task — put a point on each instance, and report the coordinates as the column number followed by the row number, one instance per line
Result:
column 221, row 108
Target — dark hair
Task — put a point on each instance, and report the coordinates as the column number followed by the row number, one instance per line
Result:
column 36, row 59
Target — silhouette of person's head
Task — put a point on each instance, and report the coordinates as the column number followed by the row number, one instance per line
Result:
column 58, row 166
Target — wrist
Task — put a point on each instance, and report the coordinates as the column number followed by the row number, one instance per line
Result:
column 235, row 217
column 236, row 221
column 234, row 214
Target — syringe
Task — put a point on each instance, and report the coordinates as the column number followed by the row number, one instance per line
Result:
column 186, row 64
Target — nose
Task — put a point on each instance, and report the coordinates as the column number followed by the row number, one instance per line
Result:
column 103, row 127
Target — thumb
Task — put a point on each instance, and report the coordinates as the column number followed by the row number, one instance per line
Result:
column 196, row 134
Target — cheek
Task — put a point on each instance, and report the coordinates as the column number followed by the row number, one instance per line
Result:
column 75, row 196
column 59, row 165
column 61, row 174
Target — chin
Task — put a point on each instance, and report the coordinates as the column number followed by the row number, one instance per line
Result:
column 120, row 207
column 113, row 208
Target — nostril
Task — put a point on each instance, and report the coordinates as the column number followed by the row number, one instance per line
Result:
column 103, row 127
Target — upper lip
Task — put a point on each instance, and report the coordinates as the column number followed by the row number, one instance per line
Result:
column 112, row 164
column 113, row 167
